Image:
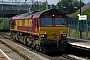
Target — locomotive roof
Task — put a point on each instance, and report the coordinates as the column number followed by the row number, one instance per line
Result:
column 22, row 16
column 50, row 11
column 37, row 14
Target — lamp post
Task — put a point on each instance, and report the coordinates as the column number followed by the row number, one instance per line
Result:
column 12, row 3
column 2, row 5
column 39, row 6
column 46, row 4
column 80, row 7
column 79, row 24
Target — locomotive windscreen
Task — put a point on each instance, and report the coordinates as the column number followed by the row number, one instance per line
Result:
column 60, row 21
column 53, row 21
column 46, row 21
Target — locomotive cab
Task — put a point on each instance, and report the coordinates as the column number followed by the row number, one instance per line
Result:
column 53, row 30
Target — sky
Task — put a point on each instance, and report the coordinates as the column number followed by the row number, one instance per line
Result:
column 55, row 1
column 49, row 1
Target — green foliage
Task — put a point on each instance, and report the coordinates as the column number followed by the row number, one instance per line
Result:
column 85, row 12
column 74, row 34
column 1, row 24
column 75, row 15
column 88, row 35
column 70, row 3
column 84, row 35
column 4, row 23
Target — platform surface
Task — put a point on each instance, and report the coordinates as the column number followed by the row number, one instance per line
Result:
column 79, row 42
column 9, row 53
column 3, row 56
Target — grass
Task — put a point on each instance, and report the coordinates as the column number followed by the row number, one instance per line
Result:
column 74, row 34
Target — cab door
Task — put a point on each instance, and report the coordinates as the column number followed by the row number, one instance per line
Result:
column 36, row 25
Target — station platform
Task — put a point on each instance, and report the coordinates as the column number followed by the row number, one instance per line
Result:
column 82, row 43
column 8, row 54
column 3, row 56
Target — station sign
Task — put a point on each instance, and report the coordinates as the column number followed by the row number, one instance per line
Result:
column 82, row 17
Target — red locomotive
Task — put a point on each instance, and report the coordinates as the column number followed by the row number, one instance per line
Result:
column 45, row 30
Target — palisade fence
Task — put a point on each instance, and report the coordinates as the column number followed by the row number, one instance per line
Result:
column 73, row 24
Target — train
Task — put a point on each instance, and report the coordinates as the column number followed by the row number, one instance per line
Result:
column 44, row 30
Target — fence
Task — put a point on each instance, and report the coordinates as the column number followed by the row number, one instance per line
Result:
column 73, row 24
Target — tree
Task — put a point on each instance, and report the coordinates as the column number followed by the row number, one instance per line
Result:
column 40, row 5
column 70, row 4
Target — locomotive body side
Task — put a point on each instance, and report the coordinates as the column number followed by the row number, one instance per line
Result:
column 45, row 31
column 24, row 25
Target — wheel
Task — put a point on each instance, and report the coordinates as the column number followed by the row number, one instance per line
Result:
column 37, row 47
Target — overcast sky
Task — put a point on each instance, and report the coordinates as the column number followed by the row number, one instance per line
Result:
column 49, row 1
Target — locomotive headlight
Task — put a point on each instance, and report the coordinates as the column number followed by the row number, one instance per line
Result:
column 53, row 15
column 63, row 35
column 42, row 35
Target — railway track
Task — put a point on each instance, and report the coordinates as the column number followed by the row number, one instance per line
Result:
column 8, row 53
column 47, row 56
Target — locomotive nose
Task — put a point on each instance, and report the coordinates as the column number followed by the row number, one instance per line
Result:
column 53, row 33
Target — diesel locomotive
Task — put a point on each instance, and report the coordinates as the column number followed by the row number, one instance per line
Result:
column 45, row 30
